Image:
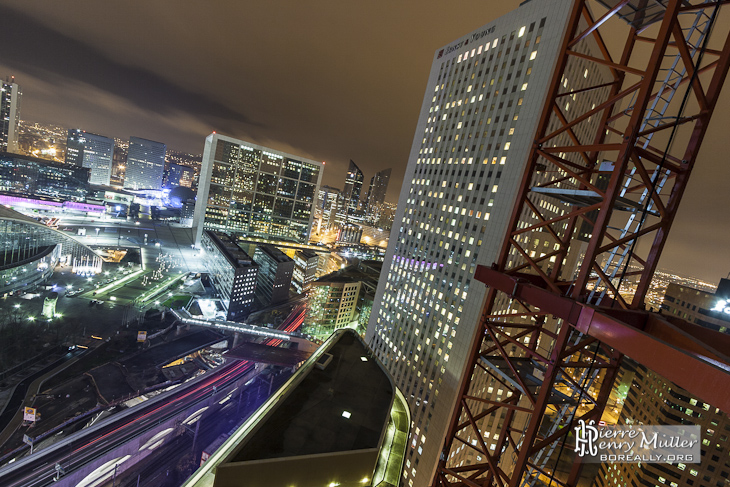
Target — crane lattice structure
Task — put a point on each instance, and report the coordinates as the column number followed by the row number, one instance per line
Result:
column 552, row 334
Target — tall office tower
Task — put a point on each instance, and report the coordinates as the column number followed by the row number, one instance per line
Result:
column 145, row 164
column 483, row 100
column 353, row 188
column 376, row 194
column 232, row 272
column 247, row 189
column 119, row 161
column 10, row 96
column 275, row 274
column 75, row 148
column 91, row 151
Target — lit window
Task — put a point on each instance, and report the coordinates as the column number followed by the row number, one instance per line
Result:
column 524, row 87
column 533, row 55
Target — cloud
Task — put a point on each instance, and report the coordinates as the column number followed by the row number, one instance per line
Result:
column 46, row 54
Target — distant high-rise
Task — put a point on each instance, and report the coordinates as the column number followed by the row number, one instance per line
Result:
column 145, row 164
column 179, row 175
column 477, row 124
column 91, row 151
column 327, row 205
column 10, row 96
column 247, row 189
column 376, row 193
column 353, row 188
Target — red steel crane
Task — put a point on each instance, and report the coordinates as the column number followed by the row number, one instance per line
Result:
column 556, row 324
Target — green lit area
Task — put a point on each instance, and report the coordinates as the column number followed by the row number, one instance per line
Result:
column 390, row 460
column 148, row 296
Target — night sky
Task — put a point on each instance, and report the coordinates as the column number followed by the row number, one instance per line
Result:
column 329, row 80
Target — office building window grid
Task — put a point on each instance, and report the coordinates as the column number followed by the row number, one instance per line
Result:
column 260, row 193
column 463, row 177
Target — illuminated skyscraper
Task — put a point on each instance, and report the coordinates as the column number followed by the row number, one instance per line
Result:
column 10, row 95
column 247, row 189
column 477, row 123
column 91, row 151
column 351, row 193
column 145, row 164
column 327, row 206
column 376, row 194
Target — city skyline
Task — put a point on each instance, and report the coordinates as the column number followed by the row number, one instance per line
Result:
column 378, row 78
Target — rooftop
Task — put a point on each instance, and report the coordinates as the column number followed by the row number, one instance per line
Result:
column 310, row 420
column 230, row 249
column 273, row 253
column 306, row 254
column 339, row 420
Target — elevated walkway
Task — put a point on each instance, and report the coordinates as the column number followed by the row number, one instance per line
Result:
column 185, row 317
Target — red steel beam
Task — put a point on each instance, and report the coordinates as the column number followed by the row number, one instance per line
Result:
column 658, row 342
column 692, row 356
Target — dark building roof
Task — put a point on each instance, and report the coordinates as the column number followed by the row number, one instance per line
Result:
column 274, row 253
column 310, row 420
column 307, row 254
column 230, row 249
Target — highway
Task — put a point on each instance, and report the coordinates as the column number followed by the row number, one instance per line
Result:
column 84, row 446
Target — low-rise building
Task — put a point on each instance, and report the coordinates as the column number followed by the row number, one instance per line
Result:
column 30, row 250
column 349, row 234
column 29, row 176
column 342, row 299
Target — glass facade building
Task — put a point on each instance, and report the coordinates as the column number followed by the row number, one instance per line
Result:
column 92, row 151
column 376, row 194
column 275, row 274
column 250, row 190
column 29, row 251
column 28, row 176
column 353, row 188
column 145, row 164
column 305, row 270
column 179, row 175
